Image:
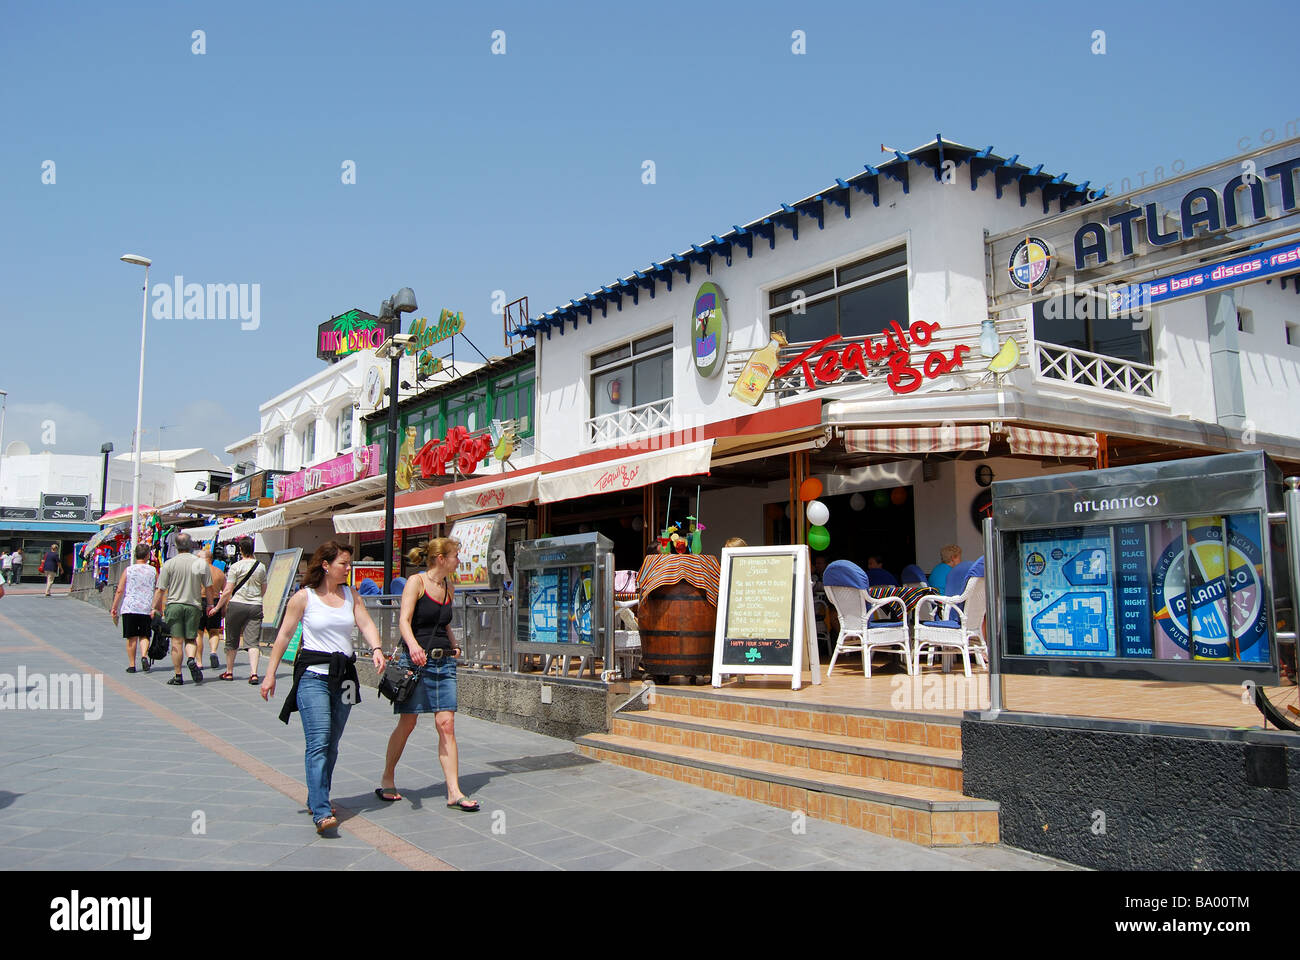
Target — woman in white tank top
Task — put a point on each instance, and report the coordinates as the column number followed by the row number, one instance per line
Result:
column 325, row 684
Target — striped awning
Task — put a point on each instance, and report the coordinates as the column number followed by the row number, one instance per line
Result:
column 266, row 521
column 1046, row 443
column 404, row 518
column 941, row 438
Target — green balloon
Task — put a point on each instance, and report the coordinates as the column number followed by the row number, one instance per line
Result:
column 819, row 538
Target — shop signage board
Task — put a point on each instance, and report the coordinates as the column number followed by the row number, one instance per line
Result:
column 1208, row 214
column 361, row 463
column 349, row 332
column 1211, row 276
column 281, row 573
column 65, row 501
column 708, row 330
column 76, row 514
column 482, row 551
column 19, row 513
column 765, row 615
column 1154, row 572
column 367, row 571
column 449, row 324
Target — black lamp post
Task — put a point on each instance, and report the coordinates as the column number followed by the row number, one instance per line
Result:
column 106, row 449
column 392, row 309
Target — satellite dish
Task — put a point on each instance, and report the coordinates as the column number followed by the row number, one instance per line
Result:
column 18, row 448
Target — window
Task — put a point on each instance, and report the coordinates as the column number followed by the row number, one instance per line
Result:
column 468, row 410
column 631, row 374
column 1083, row 322
column 277, row 453
column 1245, row 320
column 343, row 430
column 514, row 400
column 308, row 443
column 1293, row 334
column 855, row 300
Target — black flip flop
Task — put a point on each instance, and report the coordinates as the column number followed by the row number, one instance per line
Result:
column 387, row 795
column 461, row 805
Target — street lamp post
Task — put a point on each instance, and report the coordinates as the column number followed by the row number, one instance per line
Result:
column 392, row 309
column 106, row 449
column 139, row 402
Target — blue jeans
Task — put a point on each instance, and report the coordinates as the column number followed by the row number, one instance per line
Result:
column 324, row 715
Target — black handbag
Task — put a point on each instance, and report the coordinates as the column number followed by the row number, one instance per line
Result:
column 397, row 682
column 160, row 643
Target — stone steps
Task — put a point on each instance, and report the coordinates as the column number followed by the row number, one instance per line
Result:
column 895, row 774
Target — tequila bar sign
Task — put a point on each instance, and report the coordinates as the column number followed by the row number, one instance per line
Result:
column 826, row 361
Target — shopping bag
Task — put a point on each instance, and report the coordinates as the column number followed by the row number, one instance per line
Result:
column 159, row 642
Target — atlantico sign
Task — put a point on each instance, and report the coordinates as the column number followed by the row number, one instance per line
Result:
column 1192, row 220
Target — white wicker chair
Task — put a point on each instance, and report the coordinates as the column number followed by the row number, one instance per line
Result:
column 855, row 608
column 956, row 627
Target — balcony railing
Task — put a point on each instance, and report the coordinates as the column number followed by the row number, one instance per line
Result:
column 630, row 422
column 1079, row 367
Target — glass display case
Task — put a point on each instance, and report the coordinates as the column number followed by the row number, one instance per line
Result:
column 564, row 590
column 1166, row 571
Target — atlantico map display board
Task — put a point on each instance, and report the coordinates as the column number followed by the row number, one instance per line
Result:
column 1145, row 583
column 765, row 617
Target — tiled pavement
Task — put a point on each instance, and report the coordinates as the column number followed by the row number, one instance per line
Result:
column 206, row 776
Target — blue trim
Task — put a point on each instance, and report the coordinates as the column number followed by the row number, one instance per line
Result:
column 932, row 155
column 49, row 526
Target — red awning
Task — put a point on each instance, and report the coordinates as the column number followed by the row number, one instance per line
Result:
column 1046, row 443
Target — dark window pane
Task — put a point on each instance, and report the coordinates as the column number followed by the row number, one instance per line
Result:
column 804, row 288
column 1115, row 337
column 815, row 323
column 1057, row 321
column 868, row 310
column 873, row 265
column 609, row 356
column 654, row 379
column 655, row 340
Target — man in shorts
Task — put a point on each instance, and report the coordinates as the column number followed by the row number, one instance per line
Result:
column 210, row 626
column 18, row 565
column 183, row 585
column 243, row 609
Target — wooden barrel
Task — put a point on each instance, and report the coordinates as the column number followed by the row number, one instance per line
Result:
column 676, row 625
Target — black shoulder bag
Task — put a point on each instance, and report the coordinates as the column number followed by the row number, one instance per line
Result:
column 397, row 682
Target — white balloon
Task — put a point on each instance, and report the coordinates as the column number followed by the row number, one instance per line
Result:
column 857, row 501
column 818, row 513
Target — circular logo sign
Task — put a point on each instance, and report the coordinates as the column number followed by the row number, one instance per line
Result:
column 1216, row 582
column 1035, row 563
column 1031, row 262
column 708, row 330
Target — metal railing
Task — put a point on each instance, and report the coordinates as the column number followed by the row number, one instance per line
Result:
column 630, row 422
column 1085, row 369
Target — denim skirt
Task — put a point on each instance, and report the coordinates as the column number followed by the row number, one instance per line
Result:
column 437, row 687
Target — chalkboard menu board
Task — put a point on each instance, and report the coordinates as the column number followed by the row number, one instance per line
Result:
column 760, row 611
column 765, row 623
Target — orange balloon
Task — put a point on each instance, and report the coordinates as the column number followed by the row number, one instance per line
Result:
column 810, row 489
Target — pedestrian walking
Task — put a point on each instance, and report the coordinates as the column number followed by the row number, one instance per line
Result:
column 210, row 624
column 134, row 603
column 18, row 565
column 7, row 566
column 51, row 566
column 325, row 683
column 428, row 645
column 241, row 601
column 183, row 586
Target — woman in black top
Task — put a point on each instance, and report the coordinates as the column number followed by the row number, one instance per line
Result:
column 428, row 645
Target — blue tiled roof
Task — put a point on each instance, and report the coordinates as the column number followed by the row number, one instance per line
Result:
column 1007, row 172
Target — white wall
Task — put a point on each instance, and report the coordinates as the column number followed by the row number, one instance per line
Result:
column 24, row 479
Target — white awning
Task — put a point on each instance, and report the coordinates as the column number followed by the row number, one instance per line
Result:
column 943, row 438
column 611, row 476
column 506, row 490
column 421, row 515
column 1047, row 443
column 267, row 521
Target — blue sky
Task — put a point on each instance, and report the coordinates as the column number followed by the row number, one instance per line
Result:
column 520, row 172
